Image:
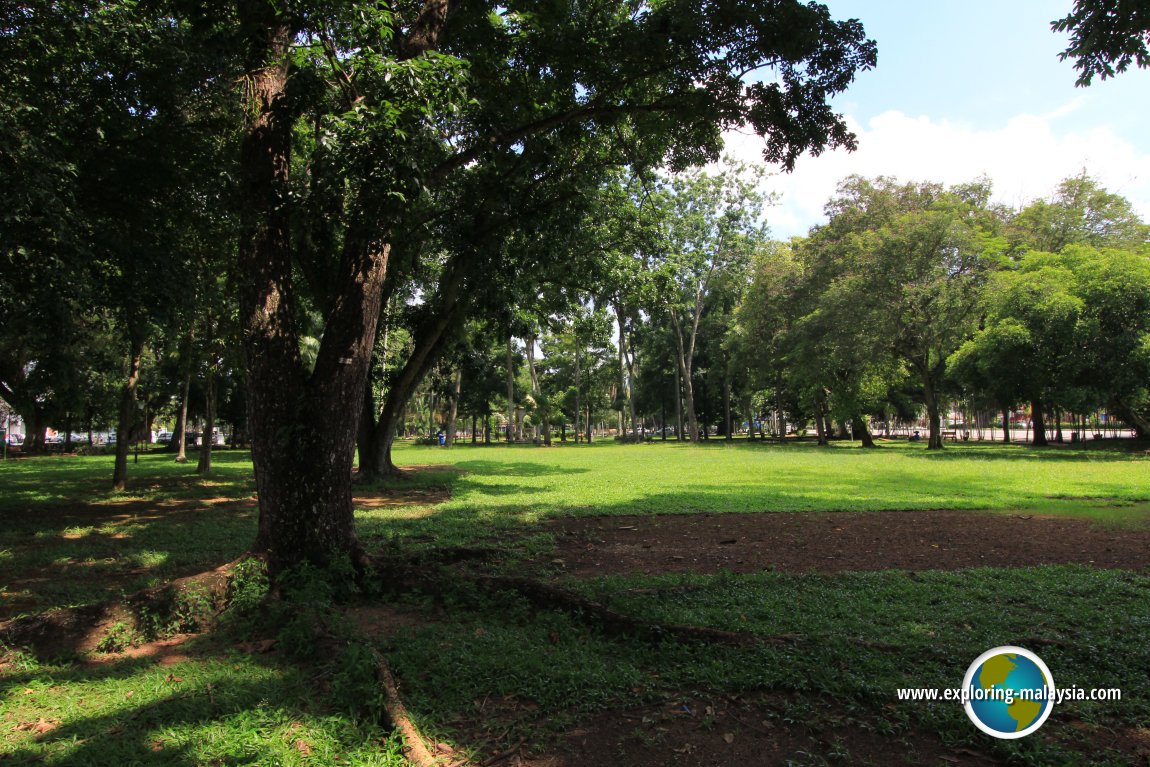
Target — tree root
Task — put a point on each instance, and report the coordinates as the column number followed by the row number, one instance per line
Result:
column 416, row 750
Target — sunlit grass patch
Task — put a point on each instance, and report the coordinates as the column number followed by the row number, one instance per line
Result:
column 221, row 708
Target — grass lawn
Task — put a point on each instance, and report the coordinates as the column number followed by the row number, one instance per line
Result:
column 510, row 486
column 481, row 671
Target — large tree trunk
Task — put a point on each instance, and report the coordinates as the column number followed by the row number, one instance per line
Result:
column 127, row 415
column 302, row 430
column 862, row 431
column 1006, row 424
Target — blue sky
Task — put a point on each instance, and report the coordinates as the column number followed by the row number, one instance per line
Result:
column 970, row 88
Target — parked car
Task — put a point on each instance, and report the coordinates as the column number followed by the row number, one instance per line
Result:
column 163, row 437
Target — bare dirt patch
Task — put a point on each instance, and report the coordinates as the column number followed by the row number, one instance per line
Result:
column 836, row 542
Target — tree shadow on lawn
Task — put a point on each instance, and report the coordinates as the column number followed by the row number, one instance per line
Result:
column 35, row 481
column 516, row 469
column 480, row 512
column 166, row 712
column 72, row 555
column 1117, row 450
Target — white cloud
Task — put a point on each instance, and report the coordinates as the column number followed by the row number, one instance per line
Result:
column 1025, row 158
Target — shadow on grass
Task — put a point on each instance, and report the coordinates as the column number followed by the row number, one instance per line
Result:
column 1115, row 450
column 229, row 709
column 485, row 505
column 38, row 480
column 517, row 469
column 63, row 543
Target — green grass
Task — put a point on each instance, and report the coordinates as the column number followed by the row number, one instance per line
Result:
column 33, row 482
column 927, row 628
column 508, row 487
column 65, row 538
column 213, row 707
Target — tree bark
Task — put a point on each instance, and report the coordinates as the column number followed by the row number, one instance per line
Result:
column 862, row 431
column 302, row 430
column 1006, row 425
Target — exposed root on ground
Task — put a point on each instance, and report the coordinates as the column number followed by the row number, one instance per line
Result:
column 416, row 750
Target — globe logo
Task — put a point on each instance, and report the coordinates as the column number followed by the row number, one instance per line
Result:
column 1009, row 692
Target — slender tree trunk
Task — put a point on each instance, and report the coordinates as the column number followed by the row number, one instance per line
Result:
column 207, row 441
column 589, row 429
column 474, row 428
column 1058, row 425
column 688, row 392
column 537, row 392
column 127, row 415
column 578, row 388
column 453, row 411
column 663, row 419
column 627, row 370
column 180, row 437
column 678, row 402
column 933, row 412
column 510, row 390
column 1006, row 425
column 1039, row 424
column 820, row 424
column 727, row 424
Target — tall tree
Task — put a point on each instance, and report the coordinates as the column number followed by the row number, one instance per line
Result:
column 711, row 225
